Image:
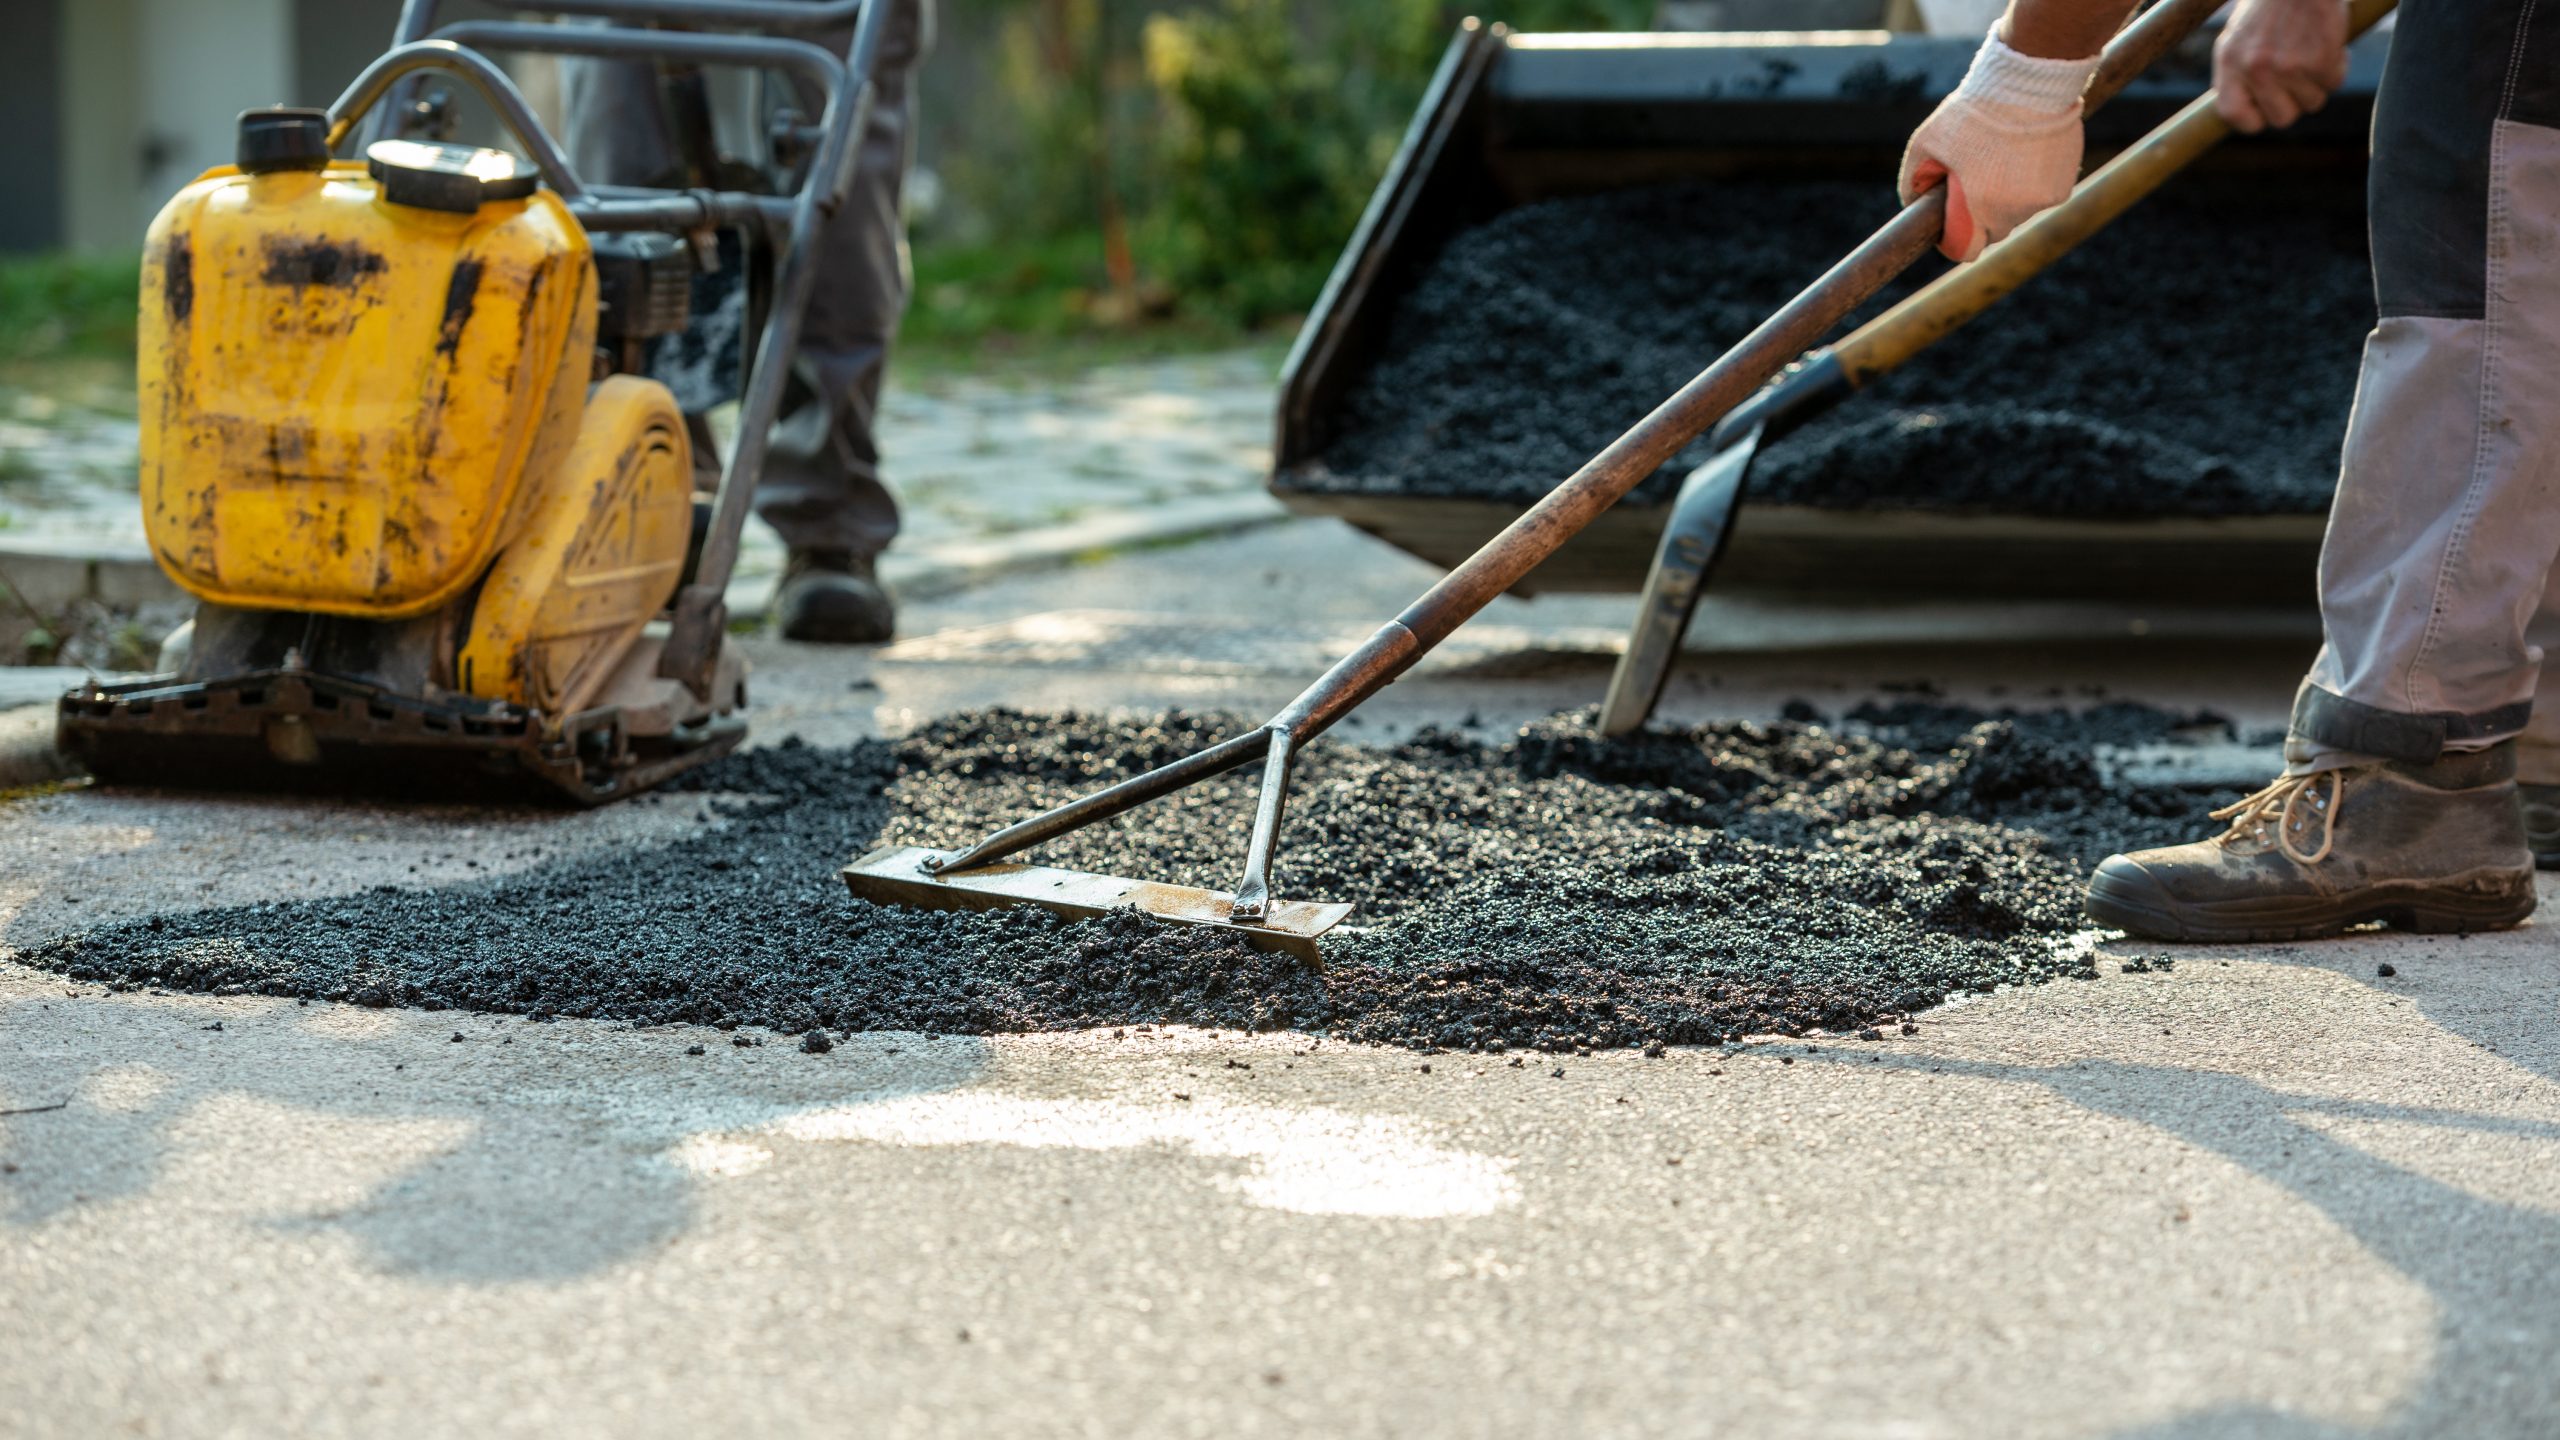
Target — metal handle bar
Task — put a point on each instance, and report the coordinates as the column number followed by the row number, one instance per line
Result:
column 418, row 17
column 753, row 14
column 810, row 64
column 484, row 76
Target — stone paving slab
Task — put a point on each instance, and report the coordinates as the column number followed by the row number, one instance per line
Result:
column 995, row 474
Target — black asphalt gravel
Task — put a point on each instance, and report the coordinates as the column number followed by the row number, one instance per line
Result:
column 2196, row 359
column 1553, row 890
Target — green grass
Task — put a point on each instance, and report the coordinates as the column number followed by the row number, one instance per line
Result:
column 56, row 307
column 1040, row 306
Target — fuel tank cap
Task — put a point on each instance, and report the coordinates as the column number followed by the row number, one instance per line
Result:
column 455, row 178
column 283, row 137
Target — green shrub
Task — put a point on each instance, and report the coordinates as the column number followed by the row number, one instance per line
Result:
column 65, row 306
column 1279, row 121
column 1266, row 160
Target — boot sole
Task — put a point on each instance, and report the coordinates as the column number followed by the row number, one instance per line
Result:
column 2144, row 909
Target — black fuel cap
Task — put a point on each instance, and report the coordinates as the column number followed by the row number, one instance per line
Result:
column 456, row 178
column 283, row 138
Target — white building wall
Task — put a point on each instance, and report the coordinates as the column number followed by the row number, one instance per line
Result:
column 152, row 89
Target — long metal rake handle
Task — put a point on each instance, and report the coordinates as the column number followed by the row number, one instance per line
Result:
column 1546, row 526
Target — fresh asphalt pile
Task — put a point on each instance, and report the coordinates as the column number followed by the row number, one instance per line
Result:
column 2195, row 359
column 1554, row 890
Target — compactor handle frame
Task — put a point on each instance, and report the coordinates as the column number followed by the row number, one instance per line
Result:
column 791, row 224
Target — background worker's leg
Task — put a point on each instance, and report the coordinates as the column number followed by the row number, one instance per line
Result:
column 2447, row 522
column 822, row 489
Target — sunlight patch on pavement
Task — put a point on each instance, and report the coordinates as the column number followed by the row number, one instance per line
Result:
column 2508, row 1161
column 124, row 1089
column 1307, row 1162
column 713, row 1158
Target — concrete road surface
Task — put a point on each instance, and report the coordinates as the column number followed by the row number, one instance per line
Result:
column 2265, row 1192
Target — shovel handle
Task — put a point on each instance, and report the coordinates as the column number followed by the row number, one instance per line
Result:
column 1951, row 301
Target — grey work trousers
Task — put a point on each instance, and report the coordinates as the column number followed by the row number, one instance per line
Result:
column 821, row 489
column 2438, row 588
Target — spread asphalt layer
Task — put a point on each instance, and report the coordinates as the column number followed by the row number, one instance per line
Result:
column 2196, row 359
column 1553, row 891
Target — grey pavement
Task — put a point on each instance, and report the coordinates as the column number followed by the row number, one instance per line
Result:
column 2265, row 1192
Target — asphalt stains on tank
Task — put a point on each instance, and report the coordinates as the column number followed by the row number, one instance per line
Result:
column 178, row 278
column 1556, row 890
column 304, row 264
column 2195, row 359
column 460, row 293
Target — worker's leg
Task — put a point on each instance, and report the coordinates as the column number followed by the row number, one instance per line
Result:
column 617, row 130
column 2447, row 520
column 619, row 134
column 2400, row 802
column 822, row 490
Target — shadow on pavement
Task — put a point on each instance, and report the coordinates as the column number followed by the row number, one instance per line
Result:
column 2488, row 1265
column 523, row 1152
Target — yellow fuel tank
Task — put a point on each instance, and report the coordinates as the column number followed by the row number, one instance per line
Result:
column 341, row 396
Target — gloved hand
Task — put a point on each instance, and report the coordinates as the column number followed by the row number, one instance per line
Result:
column 2006, row 145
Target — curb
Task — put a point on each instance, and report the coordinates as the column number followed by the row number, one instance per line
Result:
column 53, row 575
column 27, row 756
column 934, row 571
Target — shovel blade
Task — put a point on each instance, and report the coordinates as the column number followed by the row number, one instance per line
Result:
column 895, row 875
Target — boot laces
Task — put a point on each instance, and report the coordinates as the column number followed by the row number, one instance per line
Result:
column 2290, row 804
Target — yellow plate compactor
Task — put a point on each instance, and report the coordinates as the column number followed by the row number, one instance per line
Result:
column 399, row 443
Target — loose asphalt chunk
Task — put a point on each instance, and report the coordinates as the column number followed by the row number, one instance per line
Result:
column 2196, row 359
column 1555, row 890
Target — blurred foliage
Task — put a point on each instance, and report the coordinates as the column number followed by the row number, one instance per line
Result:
column 1187, row 169
column 64, row 307
column 1127, row 162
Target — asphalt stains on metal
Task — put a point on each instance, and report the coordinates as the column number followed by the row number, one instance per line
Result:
column 329, row 264
column 1557, row 890
column 2196, row 359
column 178, row 277
column 459, row 295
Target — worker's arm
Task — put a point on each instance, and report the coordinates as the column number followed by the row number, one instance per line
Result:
column 2278, row 60
column 2007, row 143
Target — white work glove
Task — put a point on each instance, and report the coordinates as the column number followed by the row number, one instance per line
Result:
column 2006, row 144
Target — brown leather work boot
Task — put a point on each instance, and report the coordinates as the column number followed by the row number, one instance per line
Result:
column 2542, row 823
column 2438, row 847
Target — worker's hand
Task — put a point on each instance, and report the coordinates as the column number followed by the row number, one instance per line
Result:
column 2278, row 60
column 2006, row 145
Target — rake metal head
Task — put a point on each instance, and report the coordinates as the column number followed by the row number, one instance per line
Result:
column 896, row 875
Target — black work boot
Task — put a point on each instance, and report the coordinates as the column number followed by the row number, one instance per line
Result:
column 2542, row 823
column 833, row 597
column 2436, row 847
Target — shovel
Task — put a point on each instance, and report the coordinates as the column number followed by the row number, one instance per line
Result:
column 1701, row 522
